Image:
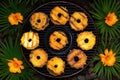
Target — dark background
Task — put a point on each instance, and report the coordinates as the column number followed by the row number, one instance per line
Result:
column 86, row 74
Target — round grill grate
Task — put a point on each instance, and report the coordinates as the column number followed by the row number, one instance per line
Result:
column 71, row 34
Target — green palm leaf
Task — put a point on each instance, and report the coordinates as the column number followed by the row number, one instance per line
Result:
column 108, row 71
column 100, row 9
column 9, row 50
column 32, row 2
column 12, row 6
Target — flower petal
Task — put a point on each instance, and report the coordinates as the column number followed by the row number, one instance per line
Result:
column 101, row 55
column 106, row 51
column 111, row 52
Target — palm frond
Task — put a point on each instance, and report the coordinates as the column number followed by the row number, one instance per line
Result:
column 32, row 2
column 107, row 71
column 100, row 9
column 12, row 6
column 8, row 50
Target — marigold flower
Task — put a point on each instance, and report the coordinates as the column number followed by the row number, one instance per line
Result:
column 15, row 18
column 15, row 65
column 108, row 58
column 111, row 19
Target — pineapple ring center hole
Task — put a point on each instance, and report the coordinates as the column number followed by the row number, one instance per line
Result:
column 38, row 20
column 55, row 66
column 86, row 40
column 58, row 39
column 59, row 15
column 30, row 40
column 76, row 59
column 78, row 21
column 38, row 57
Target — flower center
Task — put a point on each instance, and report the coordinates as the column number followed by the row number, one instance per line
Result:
column 108, row 18
column 107, row 58
column 16, row 64
column 15, row 17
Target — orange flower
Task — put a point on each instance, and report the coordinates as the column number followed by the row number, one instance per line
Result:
column 15, row 18
column 108, row 59
column 15, row 65
column 111, row 19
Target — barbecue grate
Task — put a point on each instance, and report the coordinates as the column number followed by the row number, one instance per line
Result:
column 71, row 34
